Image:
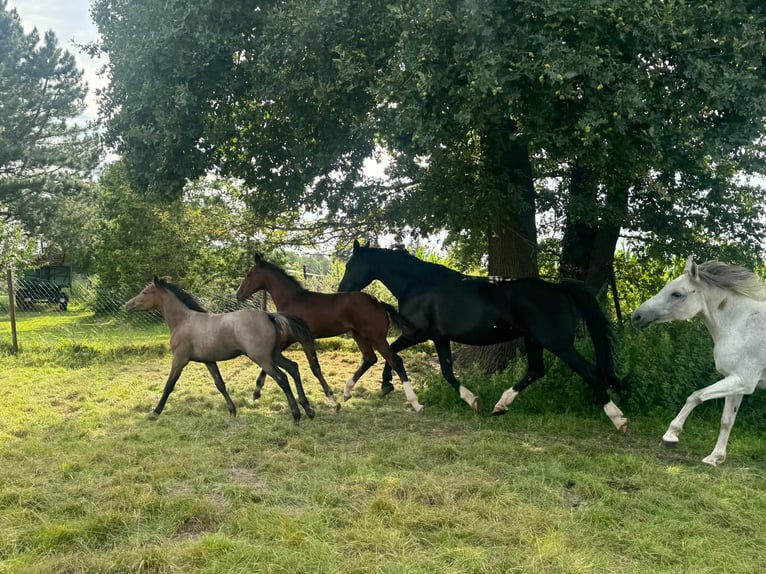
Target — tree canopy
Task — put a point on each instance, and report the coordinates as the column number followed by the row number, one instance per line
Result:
column 637, row 116
column 45, row 153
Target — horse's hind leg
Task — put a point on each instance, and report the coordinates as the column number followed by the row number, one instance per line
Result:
column 587, row 371
column 273, row 371
column 221, row 386
column 311, row 356
column 259, row 385
column 401, row 343
column 444, row 352
column 730, row 408
column 292, row 369
column 535, row 370
column 395, row 362
column 368, row 360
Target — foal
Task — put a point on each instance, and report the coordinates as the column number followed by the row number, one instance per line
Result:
column 196, row 335
column 328, row 315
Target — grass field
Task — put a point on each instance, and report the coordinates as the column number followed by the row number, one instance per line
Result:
column 91, row 484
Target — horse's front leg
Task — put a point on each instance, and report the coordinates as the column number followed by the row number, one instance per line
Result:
column 730, row 385
column 730, row 408
column 444, row 352
column 221, row 386
column 313, row 361
column 535, row 370
column 175, row 372
column 368, row 360
column 401, row 343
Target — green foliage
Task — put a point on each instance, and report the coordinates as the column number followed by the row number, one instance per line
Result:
column 45, row 155
column 661, row 103
column 91, row 484
column 204, row 239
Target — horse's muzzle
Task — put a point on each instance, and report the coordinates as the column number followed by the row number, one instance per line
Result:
column 640, row 319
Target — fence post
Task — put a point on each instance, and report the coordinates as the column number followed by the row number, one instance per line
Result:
column 12, row 310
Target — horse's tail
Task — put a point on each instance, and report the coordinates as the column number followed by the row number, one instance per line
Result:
column 292, row 328
column 396, row 318
column 600, row 332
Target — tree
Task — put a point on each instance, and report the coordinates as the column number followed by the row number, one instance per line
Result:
column 205, row 238
column 620, row 104
column 45, row 154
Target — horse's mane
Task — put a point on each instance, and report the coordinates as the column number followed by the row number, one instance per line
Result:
column 404, row 257
column 276, row 269
column 182, row 295
column 733, row 278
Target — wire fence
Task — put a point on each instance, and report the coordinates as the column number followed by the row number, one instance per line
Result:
column 46, row 315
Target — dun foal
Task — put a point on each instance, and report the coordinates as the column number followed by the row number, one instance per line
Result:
column 196, row 335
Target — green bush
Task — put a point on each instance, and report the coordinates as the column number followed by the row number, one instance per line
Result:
column 660, row 368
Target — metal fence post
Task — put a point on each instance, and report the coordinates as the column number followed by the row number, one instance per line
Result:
column 12, row 310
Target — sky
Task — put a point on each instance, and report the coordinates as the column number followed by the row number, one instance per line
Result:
column 70, row 21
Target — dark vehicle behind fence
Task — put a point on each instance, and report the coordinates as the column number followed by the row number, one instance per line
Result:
column 44, row 285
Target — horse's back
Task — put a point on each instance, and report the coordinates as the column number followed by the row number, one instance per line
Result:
column 331, row 314
column 221, row 336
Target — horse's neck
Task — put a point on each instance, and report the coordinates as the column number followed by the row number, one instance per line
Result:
column 173, row 310
column 413, row 276
column 281, row 289
column 725, row 312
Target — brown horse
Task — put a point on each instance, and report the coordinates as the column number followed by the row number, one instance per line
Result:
column 196, row 335
column 331, row 314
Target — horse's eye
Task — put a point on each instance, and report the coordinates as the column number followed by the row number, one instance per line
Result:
column 676, row 294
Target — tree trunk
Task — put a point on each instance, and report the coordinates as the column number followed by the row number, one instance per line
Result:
column 591, row 230
column 512, row 234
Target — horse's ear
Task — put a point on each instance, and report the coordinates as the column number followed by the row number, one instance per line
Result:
column 691, row 268
column 258, row 258
column 156, row 279
column 357, row 247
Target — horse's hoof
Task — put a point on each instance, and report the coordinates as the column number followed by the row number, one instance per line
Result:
column 346, row 397
column 712, row 461
column 669, row 443
column 420, row 410
column 153, row 416
column 499, row 412
column 624, row 428
column 385, row 390
column 475, row 406
column 310, row 413
column 256, row 395
column 337, row 407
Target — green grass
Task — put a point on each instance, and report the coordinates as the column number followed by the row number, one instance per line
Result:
column 91, row 484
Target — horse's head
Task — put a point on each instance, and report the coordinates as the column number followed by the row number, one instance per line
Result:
column 360, row 271
column 679, row 300
column 254, row 280
column 147, row 299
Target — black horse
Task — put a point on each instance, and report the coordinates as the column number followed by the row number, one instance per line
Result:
column 442, row 305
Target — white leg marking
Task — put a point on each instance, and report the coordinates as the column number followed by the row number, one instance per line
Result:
column 468, row 397
column 505, row 399
column 412, row 397
column 618, row 419
column 349, row 387
column 731, row 385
